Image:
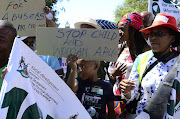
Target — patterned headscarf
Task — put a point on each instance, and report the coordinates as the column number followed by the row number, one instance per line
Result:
column 133, row 19
column 105, row 24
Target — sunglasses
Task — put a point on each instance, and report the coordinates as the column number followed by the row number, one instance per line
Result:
column 158, row 34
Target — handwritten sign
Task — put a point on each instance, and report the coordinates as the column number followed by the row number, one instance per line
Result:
column 171, row 7
column 25, row 15
column 90, row 44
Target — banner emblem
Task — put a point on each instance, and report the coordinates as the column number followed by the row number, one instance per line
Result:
column 22, row 69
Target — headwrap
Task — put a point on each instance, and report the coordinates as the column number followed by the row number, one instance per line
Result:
column 105, row 24
column 133, row 19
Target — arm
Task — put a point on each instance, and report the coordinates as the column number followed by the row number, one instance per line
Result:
column 71, row 61
column 127, row 85
column 60, row 73
column 49, row 21
column 111, row 112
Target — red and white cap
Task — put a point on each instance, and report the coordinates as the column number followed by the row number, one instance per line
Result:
column 162, row 19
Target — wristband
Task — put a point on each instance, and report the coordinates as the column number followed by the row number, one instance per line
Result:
column 49, row 16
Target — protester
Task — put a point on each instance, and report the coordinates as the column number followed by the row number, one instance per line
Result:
column 131, row 44
column 147, row 18
column 151, row 67
column 93, row 93
column 147, row 21
column 7, row 34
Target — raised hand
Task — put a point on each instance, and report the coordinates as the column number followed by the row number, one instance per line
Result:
column 119, row 70
column 71, row 60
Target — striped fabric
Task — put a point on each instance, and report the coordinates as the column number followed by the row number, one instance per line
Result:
column 105, row 24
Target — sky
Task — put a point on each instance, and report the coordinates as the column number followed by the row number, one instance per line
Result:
column 76, row 10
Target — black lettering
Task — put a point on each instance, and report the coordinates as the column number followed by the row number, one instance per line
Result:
column 106, row 52
column 10, row 4
column 83, row 33
column 60, row 33
column 69, row 33
column 105, row 34
column 20, row 5
column 78, row 42
column 5, row 17
column 101, row 34
column 31, row 16
column 38, row 16
column 75, row 34
column 98, row 52
column 93, row 34
column 21, row 28
column 108, row 35
column 68, row 42
column 20, row 16
column 114, row 36
column 14, row 17
column 25, row 16
column 42, row 15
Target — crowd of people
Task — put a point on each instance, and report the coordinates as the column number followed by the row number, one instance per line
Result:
column 145, row 56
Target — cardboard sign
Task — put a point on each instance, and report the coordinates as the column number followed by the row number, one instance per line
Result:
column 92, row 44
column 32, row 90
column 171, row 7
column 25, row 15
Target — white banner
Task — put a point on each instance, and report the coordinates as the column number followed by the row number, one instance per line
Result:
column 171, row 7
column 32, row 90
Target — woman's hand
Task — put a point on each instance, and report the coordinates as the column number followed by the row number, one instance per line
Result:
column 49, row 17
column 120, row 70
column 126, row 86
column 47, row 10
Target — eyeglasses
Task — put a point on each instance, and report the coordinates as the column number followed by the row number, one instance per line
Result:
column 158, row 34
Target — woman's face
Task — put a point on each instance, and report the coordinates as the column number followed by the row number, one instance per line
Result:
column 160, row 39
column 123, row 31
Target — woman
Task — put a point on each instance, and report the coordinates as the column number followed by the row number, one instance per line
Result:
column 162, row 33
column 132, row 43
